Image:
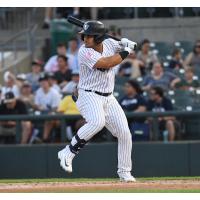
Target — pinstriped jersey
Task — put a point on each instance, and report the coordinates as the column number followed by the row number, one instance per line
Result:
column 91, row 78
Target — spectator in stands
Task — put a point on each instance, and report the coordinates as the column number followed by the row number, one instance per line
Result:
column 72, row 54
column 26, row 96
column 47, row 100
column 159, row 103
column 189, row 81
column 13, row 106
column 33, row 77
column 133, row 99
column 53, row 82
column 66, row 106
column 160, row 78
column 146, row 56
column 52, row 63
column 63, row 75
column 71, row 86
column 130, row 66
column 176, row 62
column 193, row 58
column 20, row 79
column 10, row 84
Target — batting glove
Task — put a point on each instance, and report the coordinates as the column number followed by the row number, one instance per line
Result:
column 128, row 49
column 128, row 43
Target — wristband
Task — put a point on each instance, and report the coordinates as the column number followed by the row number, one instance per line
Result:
column 123, row 54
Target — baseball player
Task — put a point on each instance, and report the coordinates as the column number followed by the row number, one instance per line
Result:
column 97, row 58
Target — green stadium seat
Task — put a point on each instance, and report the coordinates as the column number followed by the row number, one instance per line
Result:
column 121, row 80
column 164, row 49
column 119, row 91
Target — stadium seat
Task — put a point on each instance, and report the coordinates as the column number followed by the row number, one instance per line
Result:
column 164, row 49
column 182, row 100
column 118, row 91
column 121, row 80
column 185, row 46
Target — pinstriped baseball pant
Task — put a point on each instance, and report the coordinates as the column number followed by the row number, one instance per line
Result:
column 100, row 111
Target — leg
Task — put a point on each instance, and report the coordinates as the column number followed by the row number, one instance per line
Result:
column 117, row 124
column 48, row 126
column 26, row 131
column 91, row 108
column 171, row 129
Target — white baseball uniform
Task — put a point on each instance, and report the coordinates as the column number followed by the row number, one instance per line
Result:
column 100, row 111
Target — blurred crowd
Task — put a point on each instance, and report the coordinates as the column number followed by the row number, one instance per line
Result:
column 143, row 83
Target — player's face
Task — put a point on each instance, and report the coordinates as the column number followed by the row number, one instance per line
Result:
column 89, row 41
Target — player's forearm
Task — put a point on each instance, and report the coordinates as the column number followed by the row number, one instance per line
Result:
column 108, row 62
column 111, row 61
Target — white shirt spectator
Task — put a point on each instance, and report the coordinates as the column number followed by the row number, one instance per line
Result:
column 52, row 63
column 73, row 61
column 14, row 89
column 47, row 101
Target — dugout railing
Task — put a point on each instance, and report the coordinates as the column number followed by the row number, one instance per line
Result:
column 64, row 119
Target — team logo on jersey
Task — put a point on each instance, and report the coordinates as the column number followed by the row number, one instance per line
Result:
column 85, row 27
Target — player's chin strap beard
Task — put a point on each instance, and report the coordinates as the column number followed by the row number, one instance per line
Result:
column 78, row 146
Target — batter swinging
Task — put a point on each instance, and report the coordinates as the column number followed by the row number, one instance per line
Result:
column 97, row 58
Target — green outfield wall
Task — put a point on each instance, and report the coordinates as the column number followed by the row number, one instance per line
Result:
column 100, row 160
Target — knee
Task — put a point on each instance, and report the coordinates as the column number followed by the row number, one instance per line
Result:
column 26, row 125
column 98, row 125
column 169, row 123
column 125, row 134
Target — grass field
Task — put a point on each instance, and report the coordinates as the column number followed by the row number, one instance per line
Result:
column 165, row 184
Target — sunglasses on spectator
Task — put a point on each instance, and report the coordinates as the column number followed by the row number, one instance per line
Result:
column 197, row 46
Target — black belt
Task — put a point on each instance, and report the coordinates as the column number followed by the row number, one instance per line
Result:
column 100, row 93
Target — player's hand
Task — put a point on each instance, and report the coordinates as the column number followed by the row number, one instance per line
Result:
column 128, row 49
column 128, row 43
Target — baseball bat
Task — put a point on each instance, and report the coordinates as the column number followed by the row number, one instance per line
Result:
column 80, row 23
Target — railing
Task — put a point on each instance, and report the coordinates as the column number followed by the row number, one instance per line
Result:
column 69, row 118
column 17, row 18
column 23, row 40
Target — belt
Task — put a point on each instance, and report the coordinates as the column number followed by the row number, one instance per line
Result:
column 100, row 93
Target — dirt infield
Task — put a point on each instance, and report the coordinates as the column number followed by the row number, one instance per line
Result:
column 104, row 186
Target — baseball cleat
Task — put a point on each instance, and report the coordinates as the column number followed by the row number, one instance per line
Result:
column 66, row 156
column 126, row 177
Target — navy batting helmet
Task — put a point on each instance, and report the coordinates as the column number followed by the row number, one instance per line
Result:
column 95, row 28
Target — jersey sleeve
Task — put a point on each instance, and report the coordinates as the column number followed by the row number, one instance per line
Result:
column 117, row 47
column 88, row 57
